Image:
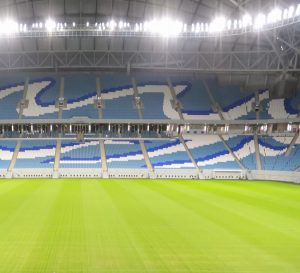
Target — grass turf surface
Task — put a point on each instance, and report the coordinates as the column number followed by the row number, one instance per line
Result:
column 148, row 226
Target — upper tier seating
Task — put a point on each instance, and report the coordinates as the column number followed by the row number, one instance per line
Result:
column 11, row 92
column 118, row 95
column 7, row 148
column 36, row 154
column 80, row 154
column 124, row 154
column 42, row 95
column 80, row 91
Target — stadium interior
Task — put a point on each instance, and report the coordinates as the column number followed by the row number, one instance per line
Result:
column 178, row 92
column 143, row 126
column 149, row 136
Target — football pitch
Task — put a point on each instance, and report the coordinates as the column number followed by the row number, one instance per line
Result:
column 58, row 226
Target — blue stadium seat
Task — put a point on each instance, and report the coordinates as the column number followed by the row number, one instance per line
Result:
column 36, row 154
column 124, row 154
column 80, row 154
column 7, row 148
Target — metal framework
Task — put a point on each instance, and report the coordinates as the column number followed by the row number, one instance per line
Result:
column 271, row 52
column 265, row 61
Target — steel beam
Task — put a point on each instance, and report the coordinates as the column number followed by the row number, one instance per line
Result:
column 241, row 62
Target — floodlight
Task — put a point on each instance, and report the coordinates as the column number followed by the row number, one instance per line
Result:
column 198, row 28
column 206, row 27
column 9, row 27
column 229, row 24
column 260, row 21
column 167, row 27
column 247, row 21
column 240, row 25
column 274, row 16
column 285, row 14
column 87, row 23
column 50, row 24
column 291, row 12
column 218, row 24
column 297, row 13
column 112, row 25
column 74, row 24
column 235, row 24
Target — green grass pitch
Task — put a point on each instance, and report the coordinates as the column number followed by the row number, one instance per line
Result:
column 72, row 226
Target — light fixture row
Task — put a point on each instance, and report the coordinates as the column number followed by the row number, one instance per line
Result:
column 165, row 27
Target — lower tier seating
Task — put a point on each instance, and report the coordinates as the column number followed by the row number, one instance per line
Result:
column 7, row 148
column 80, row 155
column 208, row 151
column 168, row 154
column 273, row 154
column 124, row 154
column 36, row 154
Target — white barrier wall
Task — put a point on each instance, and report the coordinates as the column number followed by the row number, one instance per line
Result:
column 176, row 174
column 32, row 173
column 2, row 173
column 80, row 173
column 128, row 173
column 293, row 177
column 275, row 176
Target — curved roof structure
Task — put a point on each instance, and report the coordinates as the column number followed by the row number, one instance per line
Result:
column 266, row 52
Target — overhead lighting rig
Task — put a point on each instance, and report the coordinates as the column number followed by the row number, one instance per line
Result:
column 158, row 27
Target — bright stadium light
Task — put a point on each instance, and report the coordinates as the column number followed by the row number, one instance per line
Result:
column 121, row 25
column 260, row 21
column 165, row 27
column 274, row 16
column 202, row 29
column 218, row 24
column 9, row 26
column 297, row 13
column 246, row 21
column 291, row 12
column 240, row 24
column 235, row 24
column 229, row 24
column 285, row 14
column 168, row 27
column 50, row 25
column 112, row 25
column 193, row 28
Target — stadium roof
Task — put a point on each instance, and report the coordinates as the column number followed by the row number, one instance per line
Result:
column 273, row 51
